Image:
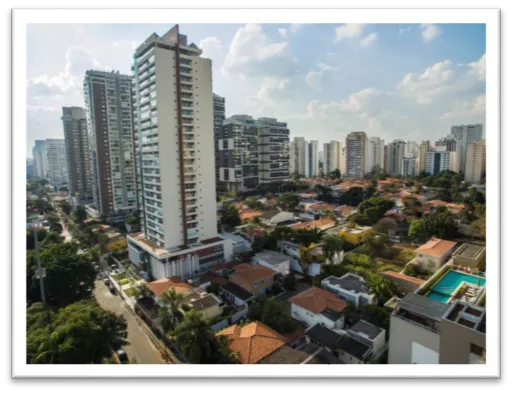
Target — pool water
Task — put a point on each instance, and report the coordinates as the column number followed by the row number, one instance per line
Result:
column 445, row 287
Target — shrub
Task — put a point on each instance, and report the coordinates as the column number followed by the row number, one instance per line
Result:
column 130, row 291
column 124, row 281
column 118, row 277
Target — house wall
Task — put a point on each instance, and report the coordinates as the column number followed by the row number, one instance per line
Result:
column 310, row 319
column 256, row 287
column 358, row 299
column 469, row 262
column 409, row 342
column 404, row 286
column 379, row 342
column 236, row 300
column 429, row 263
column 283, row 267
column 280, row 217
column 349, row 359
column 314, row 269
column 455, row 343
column 211, row 312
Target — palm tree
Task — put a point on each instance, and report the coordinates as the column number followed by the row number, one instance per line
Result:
column 382, row 288
column 332, row 245
column 172, row 302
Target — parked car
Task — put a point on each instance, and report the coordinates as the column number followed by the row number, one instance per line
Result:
column 106, row 281
column 122, row 356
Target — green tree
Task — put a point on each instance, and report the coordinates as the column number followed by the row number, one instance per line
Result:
column 198, row 344
column 255, row 311
column 51, row 239
column 41, row 234
column 288, row 202
column 336, row 174
column 289, row 282
column 253, row 203
column 275, row 317
column 377, row 315
column 376, row 244
column 80, row 214
column 66, row 207
column 69, row 276
column 229, row 216
column 306, row 237
column 80, row 333
column 382, row 288
column 332, row 245
column 375, row 208
column 409, row 201
column 353, row 197
column 172, row 301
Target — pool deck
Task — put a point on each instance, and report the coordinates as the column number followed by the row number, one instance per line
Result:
column 455, row 293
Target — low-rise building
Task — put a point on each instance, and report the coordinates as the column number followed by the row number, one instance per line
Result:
column 434, row 254
column 355, row 235
column 206, row 304
column 240, row 245
column 276, row 261
column 321, row 224
column 350, row 287
column 318, row 306
column 404, row 283
column 275, row 217
column 320, row 208
column 469, row 255
column 235, row 294
column 254, row 279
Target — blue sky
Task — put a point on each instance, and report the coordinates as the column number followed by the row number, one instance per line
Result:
column 393, row 81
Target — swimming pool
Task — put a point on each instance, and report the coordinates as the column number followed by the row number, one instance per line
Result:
column 443, row 290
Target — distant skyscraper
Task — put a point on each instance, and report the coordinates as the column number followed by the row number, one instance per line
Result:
column 331, row 156
column 475, row 162
column 77, row 153
column 312, row 159
column 357, row 155
column 274, row 150
column 175, row 159
column 409, row 166
column 57, row 162
column 109, row 119
column 466, row 134
column 376, row 147
column 40, row 159
column 298, row 153
column 423, row 149
column 394, row 155
column 440, row 160
column 219, row 115
column 411, row 147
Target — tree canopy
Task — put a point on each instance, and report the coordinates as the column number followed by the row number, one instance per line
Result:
column 229, row 216
column 288, row 202
column 372, row 210
column 80, row 333
column 440, row 223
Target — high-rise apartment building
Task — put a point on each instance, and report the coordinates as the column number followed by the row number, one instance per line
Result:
column 109, row 120
column 40, row 159
column 57, row 162
column 298, row 151
column 411, row 147
column 409, row 167
column 449, row 142
column 173, row 115
column 466, row 134
column 423, row 149
column 274, row 150
column 331, row 156
column 77, row 154
column 440, row 160
column 376, row 147
column 395, row 153
column 475, row 162
column 312, row 159
column 357, row 154
column 219, row 115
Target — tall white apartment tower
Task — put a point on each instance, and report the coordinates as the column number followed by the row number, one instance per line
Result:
column 356, row 154
column 376, row 151
column 475, row 162
column 57, row 162
column 411, row 147
column 108, row 104
column 298, row 153
column 331, row 156
column 466, row 134
column 312, row 159
column 395, row 155
column 173, row 116
column 423, row 149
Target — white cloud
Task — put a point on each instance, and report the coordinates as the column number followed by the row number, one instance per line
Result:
column 366, row 41
column 349, row 30
column 403, row 30
column 463, row 109
column 429, row 31
column 283, row 32
column 314, row 78
column 251, row 54
column 212, row 49
column 478, row 68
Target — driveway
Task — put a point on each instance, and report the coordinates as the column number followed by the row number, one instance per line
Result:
column 141, row 348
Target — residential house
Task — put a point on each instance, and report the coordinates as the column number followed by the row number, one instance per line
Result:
column 355, row 235
column 321, row 224
column 206, row 304
column 235, row 294
column 320, row 209
column 318, row 306
column 404, row 283
column 345, row 211
column 427, row 331
column 280, row 263
column 275, row 217
column 350, row 287
column 254, row 279
column 434, row 254
column 164, row 285
column 256, row 343
column 396, row 225
column 248, row 214
column 469, row 255
column 455, row 208
column 296, row 252
column 240, row 245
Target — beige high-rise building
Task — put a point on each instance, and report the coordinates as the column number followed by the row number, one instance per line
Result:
column 376, row 146
column 423, row 149
column 475, row 162
column 357, row 155
column 298, row 156
column 331, row 156
column 173, row 123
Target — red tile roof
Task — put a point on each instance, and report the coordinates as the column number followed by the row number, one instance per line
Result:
column 314, row 224
column 316, row 300
column 160, row 287
column 250, row 273
column 436, row 247
column 404, row 277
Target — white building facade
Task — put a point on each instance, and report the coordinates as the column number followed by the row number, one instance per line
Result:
column 357, row 154
column 376, row 147
column 312, row 159
column 57, row 162
column 298, row 152
column 475, row 162
column 466, row 134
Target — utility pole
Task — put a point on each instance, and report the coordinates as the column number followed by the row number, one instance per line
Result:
column 40, row 272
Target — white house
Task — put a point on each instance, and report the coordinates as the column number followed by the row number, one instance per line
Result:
column 235, row 294
column 350, row 287
column 369, row 334
column 276, row 261
column 434, row 254
column 318, row 306
column 275, row 217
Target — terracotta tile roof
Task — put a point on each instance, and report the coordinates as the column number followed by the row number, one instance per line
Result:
column 247, row 214
column 314, row 224
column 252, row 342
column 214, row 278
column 404, row 277
column 345, row 210
column 250, row 273
column 159, row 287
column 321, row 206
column 436, row 247
column 227, row 265
column 316, row 300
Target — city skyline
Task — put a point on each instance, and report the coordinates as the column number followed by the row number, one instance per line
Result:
column 408, row 82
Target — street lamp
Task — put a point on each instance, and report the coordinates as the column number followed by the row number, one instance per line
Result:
column 40, row 272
